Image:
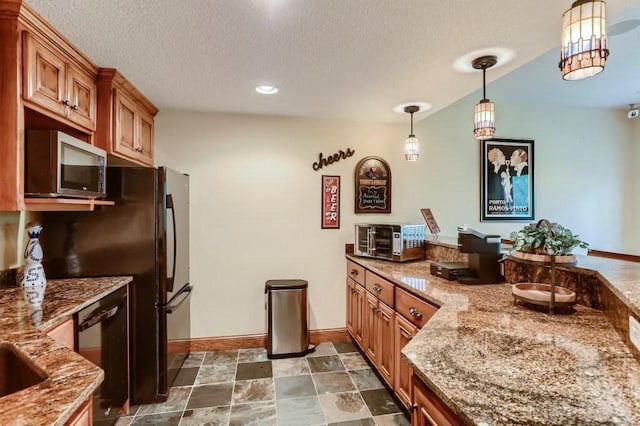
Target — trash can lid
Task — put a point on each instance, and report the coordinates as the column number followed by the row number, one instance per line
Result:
column 285, row 284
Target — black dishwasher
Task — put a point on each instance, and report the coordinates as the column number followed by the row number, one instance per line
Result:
column 102, row 338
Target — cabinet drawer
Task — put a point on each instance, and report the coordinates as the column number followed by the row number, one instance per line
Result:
column 416, row 310
column 355, row 272
column 380, row 287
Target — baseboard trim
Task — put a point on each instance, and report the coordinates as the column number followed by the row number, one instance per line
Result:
column 206, row 344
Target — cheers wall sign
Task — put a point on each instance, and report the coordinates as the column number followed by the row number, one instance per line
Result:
column 340, row 155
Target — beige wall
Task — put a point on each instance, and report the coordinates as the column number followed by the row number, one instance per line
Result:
column 255, row 209
column 13, row 238
column 255, row 200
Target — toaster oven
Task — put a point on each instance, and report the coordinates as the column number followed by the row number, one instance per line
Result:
column 391, row 241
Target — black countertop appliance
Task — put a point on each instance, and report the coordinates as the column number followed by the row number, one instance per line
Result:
column 146, row 235
column 484, row 256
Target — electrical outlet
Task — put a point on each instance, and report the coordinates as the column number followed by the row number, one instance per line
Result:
column 634, row 332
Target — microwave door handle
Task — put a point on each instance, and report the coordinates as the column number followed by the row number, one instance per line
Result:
column 170, row 279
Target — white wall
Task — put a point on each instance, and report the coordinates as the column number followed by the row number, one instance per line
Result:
column 255, row 209
column 255, row 199
column 584, row 168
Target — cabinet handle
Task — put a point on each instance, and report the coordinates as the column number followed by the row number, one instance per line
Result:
column 354, row 272
column 376, row 288
column 428, row 418
column 415, row 313
column 74, row 107
column 66, row 102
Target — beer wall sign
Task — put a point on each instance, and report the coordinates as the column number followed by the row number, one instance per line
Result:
column 372, row 186
column 330, row 202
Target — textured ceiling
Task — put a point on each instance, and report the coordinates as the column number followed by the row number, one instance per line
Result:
column 349, row 59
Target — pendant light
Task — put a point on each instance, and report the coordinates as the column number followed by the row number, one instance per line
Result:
column 584, row 40
column 484, row 116
column 411, row 147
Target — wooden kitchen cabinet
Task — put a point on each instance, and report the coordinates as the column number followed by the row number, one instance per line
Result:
column 64, row 333
column 403, row 333
column 381, row 319
column 46, row 84
column 428, row 409
column 378, row 329
column 83, row 415
column 355, row 309
column 412, row 313
column 54, row 85
column 125, row 119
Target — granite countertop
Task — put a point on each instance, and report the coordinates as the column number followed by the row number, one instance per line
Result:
column 71, row 378
column 496, row 363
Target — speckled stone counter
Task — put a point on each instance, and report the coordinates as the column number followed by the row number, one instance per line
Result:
column 70, row 378
column 496, row 363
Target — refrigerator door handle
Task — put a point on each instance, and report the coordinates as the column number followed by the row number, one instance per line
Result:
column 183, row 296
column 171, row 279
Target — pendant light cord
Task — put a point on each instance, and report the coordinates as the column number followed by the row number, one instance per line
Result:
column 484, row 84
column 411, row 124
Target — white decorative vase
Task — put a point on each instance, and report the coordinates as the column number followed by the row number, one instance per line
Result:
column 33, row 280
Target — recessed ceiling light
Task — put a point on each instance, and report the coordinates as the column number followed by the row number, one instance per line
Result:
column 267, row 90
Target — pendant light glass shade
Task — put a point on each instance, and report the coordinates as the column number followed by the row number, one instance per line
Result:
column 484, row 123
column 484, row 114
column 411, row 145
column 411, row 148
column 584, row 40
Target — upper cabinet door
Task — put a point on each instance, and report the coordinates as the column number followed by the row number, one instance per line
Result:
column 124, row 140
column 43, row 76
column 145, row 144
column 81, row 92
column 57, row 87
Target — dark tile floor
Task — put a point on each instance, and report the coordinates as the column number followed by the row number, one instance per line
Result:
column 331, row 386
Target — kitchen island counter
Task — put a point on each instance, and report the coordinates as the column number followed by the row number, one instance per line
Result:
column 71, row 379
column 494, row 363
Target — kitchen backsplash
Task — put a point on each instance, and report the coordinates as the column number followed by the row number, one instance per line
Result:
column 8, row 278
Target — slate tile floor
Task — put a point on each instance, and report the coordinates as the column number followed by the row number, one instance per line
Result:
column 332, row 386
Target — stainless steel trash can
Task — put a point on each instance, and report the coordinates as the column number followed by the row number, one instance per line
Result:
column 287, row 323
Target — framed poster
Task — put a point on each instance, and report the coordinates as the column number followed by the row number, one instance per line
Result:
column 330, row 202
column 372, row 186
column 507, row 179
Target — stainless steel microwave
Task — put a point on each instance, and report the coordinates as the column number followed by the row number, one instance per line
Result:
column 391, row 241
column 59, row 165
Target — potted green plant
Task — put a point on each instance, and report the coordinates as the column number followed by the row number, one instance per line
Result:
column 542, row 240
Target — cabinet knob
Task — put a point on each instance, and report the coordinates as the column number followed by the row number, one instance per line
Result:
column 376, row 288
column 74, row 107
column 66, row 102
column 354, row 272
column 415, row 313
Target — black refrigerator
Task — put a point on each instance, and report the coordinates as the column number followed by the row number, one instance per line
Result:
column 146, row 235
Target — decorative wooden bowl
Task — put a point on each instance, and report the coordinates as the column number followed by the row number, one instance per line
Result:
column 569, row 259
column 540, row 294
